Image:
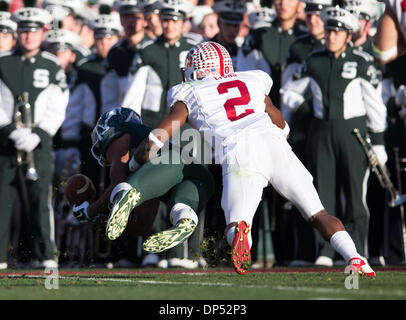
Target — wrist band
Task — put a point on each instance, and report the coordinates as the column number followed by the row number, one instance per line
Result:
column 155, row 140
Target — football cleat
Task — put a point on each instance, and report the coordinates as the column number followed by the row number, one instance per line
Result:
column 124, row 202
column 361, row 266
column 171, row 237
column 240, row 254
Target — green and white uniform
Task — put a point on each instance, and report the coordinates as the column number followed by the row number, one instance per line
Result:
column 344, row 96
column 45, row 82
column 170, row 180
column 119, row 64
column 269, row 46
column 158, row 69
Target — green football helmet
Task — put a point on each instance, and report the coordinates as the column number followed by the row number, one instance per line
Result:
column 108, row 127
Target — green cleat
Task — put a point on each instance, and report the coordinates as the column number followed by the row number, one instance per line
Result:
column 170, row 238
column 122, row 207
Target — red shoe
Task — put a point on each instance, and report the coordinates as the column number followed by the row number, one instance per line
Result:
column 361, row 266
column 240, row 255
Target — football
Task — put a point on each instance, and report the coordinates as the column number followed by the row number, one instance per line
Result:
column 79, row 188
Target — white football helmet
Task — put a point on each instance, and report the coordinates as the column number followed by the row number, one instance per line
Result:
column 207, row 59
column 336, row 18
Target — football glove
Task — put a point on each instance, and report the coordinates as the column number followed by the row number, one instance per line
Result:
column 80, row 212
column 27, row 143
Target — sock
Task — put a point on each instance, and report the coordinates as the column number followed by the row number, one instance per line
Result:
column 344, row 245
column 230, row 237
column 121, row 186
column 182, row 211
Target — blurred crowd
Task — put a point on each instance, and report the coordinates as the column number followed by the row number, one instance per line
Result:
column 73, row 60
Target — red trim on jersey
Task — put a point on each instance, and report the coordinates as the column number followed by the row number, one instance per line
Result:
column 216, row 47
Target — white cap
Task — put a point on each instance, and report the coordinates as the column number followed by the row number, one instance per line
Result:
column 263, row 17
column 230, row 11
column 106, row 25
column 6, row 24
column 316, row 6
column 77, row 7
column 31, row 18
column 337, row 18
column 176, row 9
column 61, row 39
column 365, row 9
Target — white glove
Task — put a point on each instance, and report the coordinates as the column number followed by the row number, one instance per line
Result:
column 381, row 154
column 19, row 133
column 27, row 143
column 400, row 97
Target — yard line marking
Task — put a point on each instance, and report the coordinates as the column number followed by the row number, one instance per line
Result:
column 397, row 293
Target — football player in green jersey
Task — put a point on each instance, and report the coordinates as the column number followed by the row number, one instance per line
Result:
column 184, row 188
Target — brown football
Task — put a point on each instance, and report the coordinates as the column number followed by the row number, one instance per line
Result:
column 79, row 188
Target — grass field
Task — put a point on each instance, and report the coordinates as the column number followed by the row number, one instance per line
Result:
column 210, row 284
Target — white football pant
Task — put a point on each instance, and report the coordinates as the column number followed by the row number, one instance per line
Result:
column 256, row 157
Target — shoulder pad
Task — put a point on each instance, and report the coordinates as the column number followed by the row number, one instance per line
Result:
column 50, row 56
column 363, row 54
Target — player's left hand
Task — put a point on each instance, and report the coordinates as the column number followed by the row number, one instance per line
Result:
column 145, row 151
column 80, row 212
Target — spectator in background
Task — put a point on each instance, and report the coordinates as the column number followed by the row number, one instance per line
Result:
column 209, row 25
column 304, row 251
column 344, row 96
column 367, row 11
column 8, row 32
column 120, row 59
column 76, row 18
column 266, row 48
column 151, row 14
column 44, row 82
column 153, row 77
column 230, row 16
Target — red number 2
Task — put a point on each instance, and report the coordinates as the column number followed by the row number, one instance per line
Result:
column 230, row 104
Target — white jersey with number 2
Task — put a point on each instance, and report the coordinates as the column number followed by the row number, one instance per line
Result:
column 232, row 109
column 223, row 106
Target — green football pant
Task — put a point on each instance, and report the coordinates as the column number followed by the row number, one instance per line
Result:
column 172, row 181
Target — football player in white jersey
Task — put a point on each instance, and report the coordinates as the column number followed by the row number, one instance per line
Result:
column 236, row 110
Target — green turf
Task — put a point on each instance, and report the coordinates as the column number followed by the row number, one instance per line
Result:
column 204, row 285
